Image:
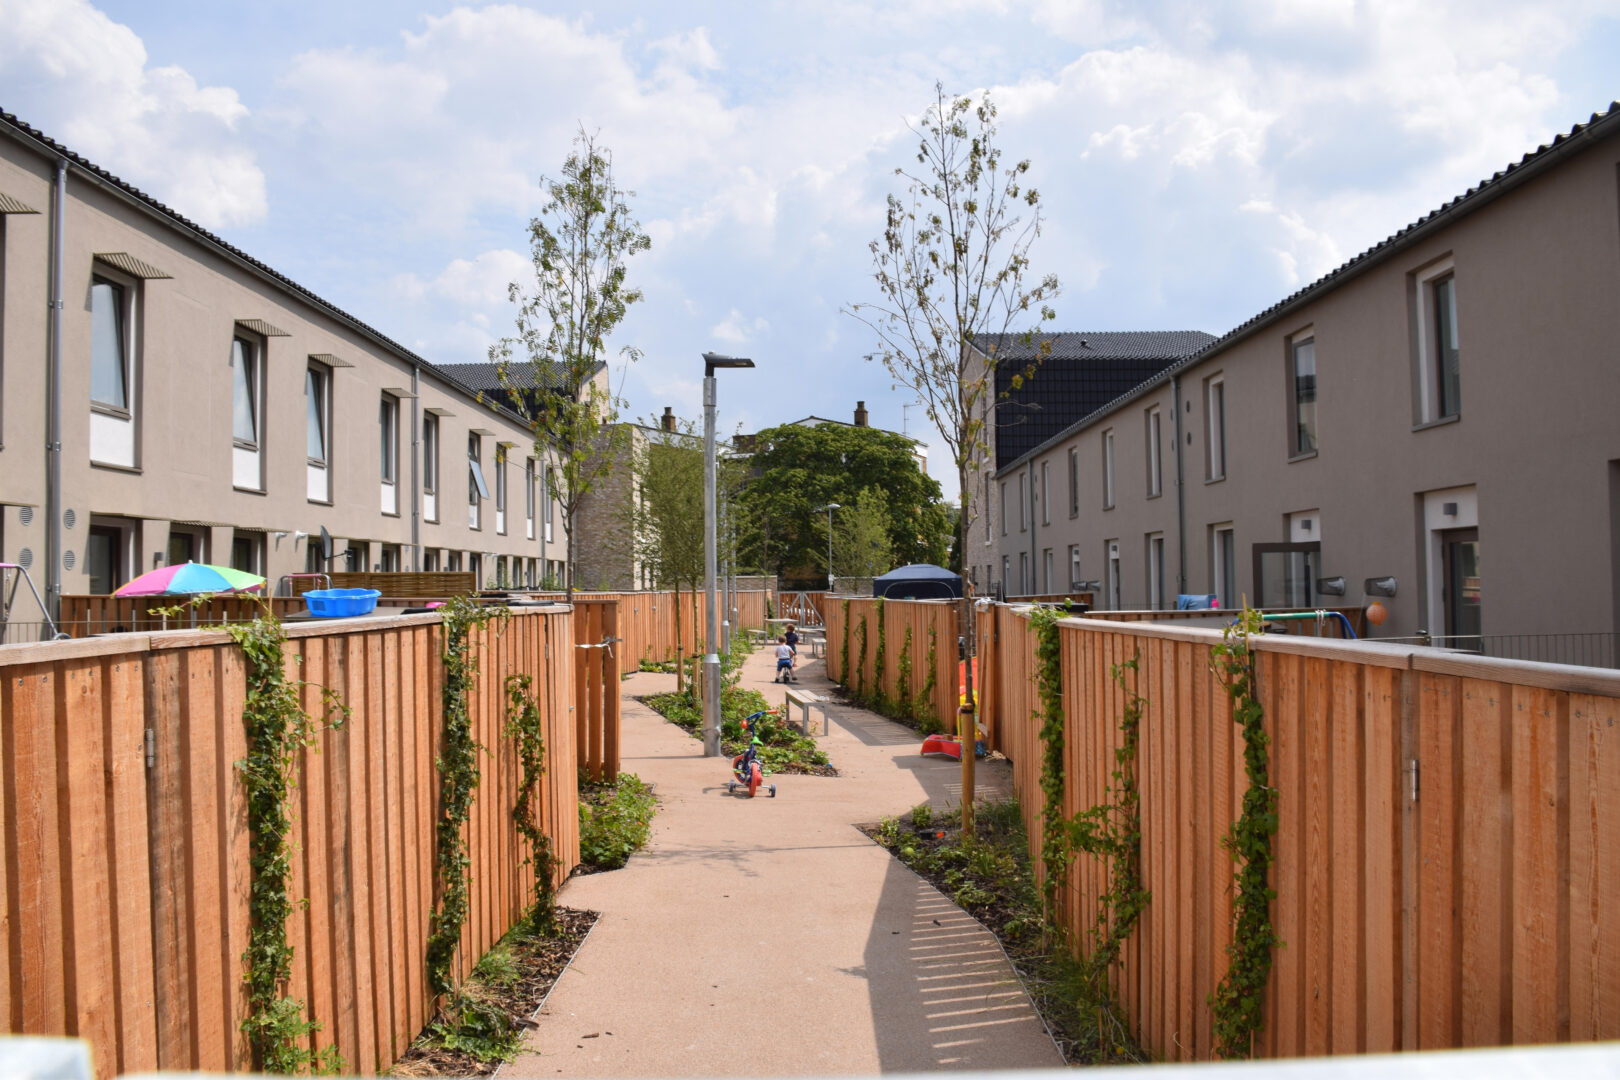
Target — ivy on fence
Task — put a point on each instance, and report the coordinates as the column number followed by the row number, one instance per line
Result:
column 843, row 660
column 277, row 729
column 458, row 779
column 880, row 700
column 904, row 703
column 1112, row 830
column 1237, row 1000
column 922, row 706
column 1054, row 826
column 860, row 662
column 523, row 727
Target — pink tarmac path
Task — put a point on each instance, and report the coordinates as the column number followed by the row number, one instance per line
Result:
column 772, row 938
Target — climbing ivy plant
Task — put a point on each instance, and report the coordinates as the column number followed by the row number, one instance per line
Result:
column 1237, row 999
column 922, row 706
column 904, row 703
column 277, row 729
column 1112, row 830
column 458, row 779
column 1054, row 826
column 843, row 660
column 523, row 727
column 860, row 662
column 879, row 698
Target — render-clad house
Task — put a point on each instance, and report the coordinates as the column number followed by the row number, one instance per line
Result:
column 211, row 409
column 1443, row 411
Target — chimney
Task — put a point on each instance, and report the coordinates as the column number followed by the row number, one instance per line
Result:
column 669, row 419
column 860, row 414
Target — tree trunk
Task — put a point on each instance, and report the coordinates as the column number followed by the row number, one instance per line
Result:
column 680, row 653
column 967, row 722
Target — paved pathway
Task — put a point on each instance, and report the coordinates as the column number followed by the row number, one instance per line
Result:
column 770, row 937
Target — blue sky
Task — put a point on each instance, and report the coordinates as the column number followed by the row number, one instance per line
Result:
column 1198, row 162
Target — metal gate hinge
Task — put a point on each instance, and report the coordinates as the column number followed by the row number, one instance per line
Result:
column 151, row 748
column 1412, row 767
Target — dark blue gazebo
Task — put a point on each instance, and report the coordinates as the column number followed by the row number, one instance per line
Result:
column 919, row 581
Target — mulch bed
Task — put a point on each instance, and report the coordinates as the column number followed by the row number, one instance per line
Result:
column 541, row 961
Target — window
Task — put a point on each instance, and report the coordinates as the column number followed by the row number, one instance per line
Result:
column 1223, row 572
column 1438, row 360
column 1215, row 419
column 1108, row 470
column 244, row 394
column 430, row 467
column 1155, row 467
column 313, row 562
column 113, row 384
column 357, row 558
column 186, row 545
column 1285, row 574
column 109, row 346
column 528, row 498
column 476, row 488
column 1023, row 502
column 388, row 452
column 1155, row 569
column 453, row 563
column 1046, row 572
column 1074, row 482
column 430, row 561
column 106, row 558
column 545, row 506
column 317, row 425
column 1046, row 497
column 1074, row 566
column 1023, row 574
column 1003, row 509
column 1111, row 550
column 247, row 552
column 500, row 489
column 1006, row 574
column 1302, row 376
column 475, row 563
column 390, row 558
column 986, row 510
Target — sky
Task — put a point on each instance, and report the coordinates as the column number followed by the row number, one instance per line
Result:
column 1197, row 162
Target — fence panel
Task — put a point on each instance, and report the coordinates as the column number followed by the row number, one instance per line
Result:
column 126, row 884
column 846, row 616
column 1447, row 861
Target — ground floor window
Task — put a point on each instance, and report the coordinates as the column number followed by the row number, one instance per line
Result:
column 1285, row 574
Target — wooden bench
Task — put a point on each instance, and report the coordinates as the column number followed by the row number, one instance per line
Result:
column 803, row 700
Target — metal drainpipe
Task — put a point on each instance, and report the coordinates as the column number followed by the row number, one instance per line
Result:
column 416, row 463
column 53, row 407
column 1181, row 490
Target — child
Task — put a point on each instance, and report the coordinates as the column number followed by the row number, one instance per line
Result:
column 784, row 661
column 792, row 639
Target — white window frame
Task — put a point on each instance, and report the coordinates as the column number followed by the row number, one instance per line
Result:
column 1155, row 570
column 432, row 439
column 477, row 490
column 1223, row 537
column 1003, row 508
column 547, row 507
column 113, row 428
column 1155, row 452
column 529, row 471
column 388, row 453
column 1046, row 496
column 1426, row 335
column 1108, row 469
column 1046, row 572
column 1114, row 588
column 247, row 455
column 1295, row 343
column 1074, row 567
column 318, row 470
column 1215, row 422
column 500, row 489
column 1023, row 500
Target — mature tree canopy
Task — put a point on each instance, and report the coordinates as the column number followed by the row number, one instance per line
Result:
column 798, row 469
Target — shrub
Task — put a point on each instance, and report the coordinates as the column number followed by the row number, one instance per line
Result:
column 615, row 820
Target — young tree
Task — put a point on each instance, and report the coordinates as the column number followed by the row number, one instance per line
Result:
column 953, row 268
column 861, row 548
column 554, row 367
column 666, row 518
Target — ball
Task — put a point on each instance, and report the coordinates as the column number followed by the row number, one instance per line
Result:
column 1377, row 613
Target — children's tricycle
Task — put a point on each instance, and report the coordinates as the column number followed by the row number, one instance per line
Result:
column 746, row 769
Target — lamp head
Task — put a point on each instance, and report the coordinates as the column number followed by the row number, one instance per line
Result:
column 715, row 360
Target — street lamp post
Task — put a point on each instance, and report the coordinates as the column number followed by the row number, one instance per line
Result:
column 711, row 658
column 830, row 507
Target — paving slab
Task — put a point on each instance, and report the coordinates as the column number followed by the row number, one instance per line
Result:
column 770, row 937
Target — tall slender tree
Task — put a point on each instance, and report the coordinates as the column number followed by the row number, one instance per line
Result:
column 953, row 277
column 554, row 368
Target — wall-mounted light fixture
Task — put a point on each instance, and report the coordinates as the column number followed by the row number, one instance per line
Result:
column 1448, row 509
column 1379, row 586
column 1330, row 586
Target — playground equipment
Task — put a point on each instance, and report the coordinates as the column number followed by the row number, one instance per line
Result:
column 11, row 577
column 746, row 769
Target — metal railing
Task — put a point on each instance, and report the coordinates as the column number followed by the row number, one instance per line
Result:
column 1598, row 649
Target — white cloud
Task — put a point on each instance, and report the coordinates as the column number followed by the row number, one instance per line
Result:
column 86, row 81
column 738, row 329
column 480, row 282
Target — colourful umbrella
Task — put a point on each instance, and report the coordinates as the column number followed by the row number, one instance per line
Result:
column 189, row 578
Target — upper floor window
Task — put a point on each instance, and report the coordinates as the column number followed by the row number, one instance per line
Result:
column 1108, row 469
column 1215, row 420
column 430, row 466
column 1155, row 465
column 1302, row 380
column 244, row 394
column 1438, row 356
column 388, row 432
column 500, row 489
column 316, row 413
column 1046, row 496
column 1003, row 509
column 1074, row 482
column 109, row 345
column 528, row 498
column 1023, row 502
column 476, row 488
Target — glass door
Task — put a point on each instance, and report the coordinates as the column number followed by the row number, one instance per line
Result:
column 1462, row 590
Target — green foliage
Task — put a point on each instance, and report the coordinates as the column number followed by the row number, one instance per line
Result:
column 843, row 659
column 615, row 821
column 523, row 728
column 277, row 729
column 1237, row 1001
column 458, row 779
column 579, row 247
column 880, row 700
column 800, row 469
column 480, row 1029
column 922, row 706
column 1112, row 830
column 1054, row 826
column 860, row 662
column 922, row 816
column 782, row 747
column 904, row 703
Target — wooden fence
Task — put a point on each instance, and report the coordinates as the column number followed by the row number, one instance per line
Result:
column 921, row 617
column 809, row 608
column 83, row 616
column 1448, row 855
column 126, row 874
column 596, row 686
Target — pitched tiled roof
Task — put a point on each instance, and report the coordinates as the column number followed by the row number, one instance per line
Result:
column 1082, row 373
column 1547, row 155
column 26, row 133
column 485, row 377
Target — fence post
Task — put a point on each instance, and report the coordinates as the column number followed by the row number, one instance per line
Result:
column 1406, row 785
column 610, row 692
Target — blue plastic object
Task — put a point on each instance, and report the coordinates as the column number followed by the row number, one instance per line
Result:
column 336, row 603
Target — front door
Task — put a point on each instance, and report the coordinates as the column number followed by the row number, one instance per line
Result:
column 1462, row 591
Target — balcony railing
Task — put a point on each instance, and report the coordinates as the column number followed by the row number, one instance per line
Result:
column 1597, row 649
